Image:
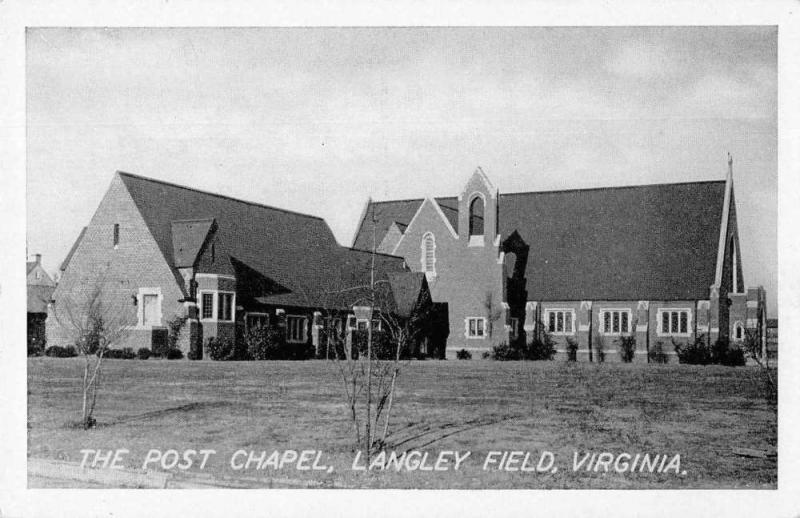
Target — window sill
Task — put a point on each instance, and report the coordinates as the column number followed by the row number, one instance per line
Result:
column 476, row 240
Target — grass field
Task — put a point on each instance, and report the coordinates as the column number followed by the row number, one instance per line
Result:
column 701, row 413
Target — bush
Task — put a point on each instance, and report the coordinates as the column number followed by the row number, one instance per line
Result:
column 540, row 348
column 174, row 354
column 463, row 354
column 627, row 348
column 504, row 352
column 257, row 342
column 194, row 354
column 572, row 349
column 144, row 353
column 219, row 348
column 695, row 353
column 383, row 347
column 118, row 354
column 656, row 354
column 599, row 350
column 735, row 357
column 56, row 351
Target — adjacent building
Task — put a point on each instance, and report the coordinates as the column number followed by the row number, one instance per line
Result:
column 173, row 259
column 40, row 290
column 590, row 266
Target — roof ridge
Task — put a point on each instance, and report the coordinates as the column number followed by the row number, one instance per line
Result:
column 191, row 220
column 614, row 187
column 223, row 196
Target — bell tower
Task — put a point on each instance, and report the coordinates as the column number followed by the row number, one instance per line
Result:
column 477, row 211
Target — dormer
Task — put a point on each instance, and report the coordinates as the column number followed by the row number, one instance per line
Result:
column 477, row 211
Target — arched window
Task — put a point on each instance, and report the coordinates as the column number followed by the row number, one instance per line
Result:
column 428, row 258
column 476, row 217
column 738, row 331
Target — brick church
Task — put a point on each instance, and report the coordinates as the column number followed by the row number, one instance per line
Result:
column 659, row 262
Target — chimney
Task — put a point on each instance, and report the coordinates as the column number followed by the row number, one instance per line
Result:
column 38, row 258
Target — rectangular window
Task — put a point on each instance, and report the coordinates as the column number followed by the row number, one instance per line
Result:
column 559, row 321
column 615, row 321
column 207, row 303
column 116, row 234
column 351, row 322
column 295, row 329
column 376, row 324
column 225, row 309
column 151, row 313
column 475, row 327
column 361, row 325
column 255, row 321
column 674, row 321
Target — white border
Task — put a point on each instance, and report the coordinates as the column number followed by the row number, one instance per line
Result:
column 15, row 500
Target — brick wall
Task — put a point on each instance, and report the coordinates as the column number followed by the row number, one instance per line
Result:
column 136, row 262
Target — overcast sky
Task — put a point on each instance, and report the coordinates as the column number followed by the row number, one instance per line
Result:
column 317, row 120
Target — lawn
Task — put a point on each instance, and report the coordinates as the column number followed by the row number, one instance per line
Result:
column 699, row 413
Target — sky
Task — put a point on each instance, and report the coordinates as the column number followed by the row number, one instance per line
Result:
column 318, row 120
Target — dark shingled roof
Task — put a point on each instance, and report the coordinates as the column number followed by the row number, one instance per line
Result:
column 296, row 252
column 187, row 239
column 651, row 242
column 39, row 297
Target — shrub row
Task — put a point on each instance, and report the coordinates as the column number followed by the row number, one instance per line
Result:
column 56, row 351
column 540, row 348
column 125, row 353
column 699, row 352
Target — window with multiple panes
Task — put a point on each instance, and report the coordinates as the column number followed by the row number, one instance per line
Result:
column 615, row 321
column 560, row 321
column 674, row 321
column 207, row 305
column 295, row 329
column 351, row 321
column 476, row 327
column 225, row 307
column 256, row 321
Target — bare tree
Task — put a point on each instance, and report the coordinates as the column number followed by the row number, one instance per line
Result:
column 756, row 350
column 493, row 313
column 95, row 321
column 369, row 377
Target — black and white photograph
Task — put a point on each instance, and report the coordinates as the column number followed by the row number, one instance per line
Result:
column 300, row 259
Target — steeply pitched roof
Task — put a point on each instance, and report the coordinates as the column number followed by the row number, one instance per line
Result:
column 401, row 212
column 654, row 242
column 39, row 297
column 188, row 237
column 295, row 252
column 30, row 265
column 72, row 250
column 406, row 287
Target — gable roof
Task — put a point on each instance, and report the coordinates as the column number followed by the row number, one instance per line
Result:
column 71, row 252
column 188, row 237
column 400, row 212
column 38, row 298
column 29, row 266
column 650, row 242
column 297, row 253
